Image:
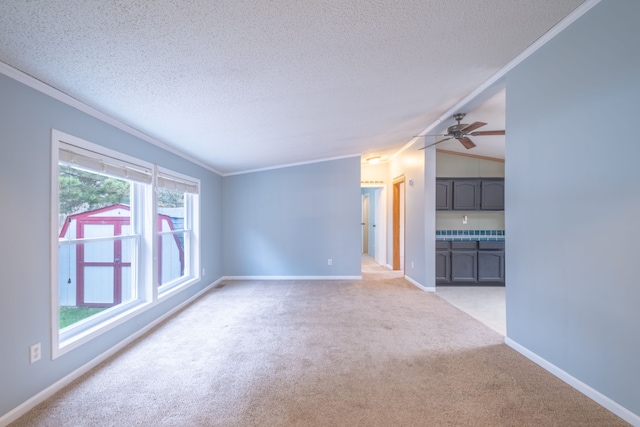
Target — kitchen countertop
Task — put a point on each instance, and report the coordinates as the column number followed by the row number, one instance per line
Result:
column 470, row 238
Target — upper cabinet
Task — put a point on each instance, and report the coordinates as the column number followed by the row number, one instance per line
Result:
column 492, row 197
column 470, row 194
column 444, row 194
column 466, row 195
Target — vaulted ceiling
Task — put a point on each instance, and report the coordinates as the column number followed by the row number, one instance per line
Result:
column 246, row 85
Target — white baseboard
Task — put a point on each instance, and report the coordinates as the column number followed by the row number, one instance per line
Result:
column 292, row 278
column 593, row 394
column 418, row 285
column 26, row 406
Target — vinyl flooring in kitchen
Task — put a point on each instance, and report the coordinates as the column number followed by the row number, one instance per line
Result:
column 484, row 303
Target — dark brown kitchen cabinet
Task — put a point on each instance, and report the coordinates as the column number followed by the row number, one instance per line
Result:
column 466, row 195
column 444, row 196
column 470, row 263
column 470, row 194
column 490, row 261
column 464, row 262
column 491, row 266
column 443, row 261
column 492, row 194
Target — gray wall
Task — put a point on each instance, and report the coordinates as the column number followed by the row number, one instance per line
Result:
column 290, row 221
column 573, row 201
column 26, row 119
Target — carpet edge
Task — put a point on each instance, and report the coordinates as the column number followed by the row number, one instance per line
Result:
column 583, row 388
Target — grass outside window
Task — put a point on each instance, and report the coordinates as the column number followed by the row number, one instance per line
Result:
column 71, row 315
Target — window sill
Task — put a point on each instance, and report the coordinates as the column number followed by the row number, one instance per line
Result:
column 173, row 289
column 62, row 347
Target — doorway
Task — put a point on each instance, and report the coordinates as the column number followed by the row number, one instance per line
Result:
column 398, row 222
column 374, row 242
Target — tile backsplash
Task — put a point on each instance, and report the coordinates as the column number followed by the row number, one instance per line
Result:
column 462, row 235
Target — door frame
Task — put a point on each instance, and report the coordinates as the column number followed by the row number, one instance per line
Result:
column 397, row 182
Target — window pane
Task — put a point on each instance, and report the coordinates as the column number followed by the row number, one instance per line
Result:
column 96, row 275
column 171, row 206
column 171, row 257
column 172, row 216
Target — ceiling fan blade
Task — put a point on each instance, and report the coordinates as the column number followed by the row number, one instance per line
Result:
column 487, row 133
column 473, row 126
column 437, row 142
column 467, row 142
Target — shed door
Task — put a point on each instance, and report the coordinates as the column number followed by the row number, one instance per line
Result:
column 104, row 267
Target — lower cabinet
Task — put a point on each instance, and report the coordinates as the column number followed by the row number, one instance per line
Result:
column 464, row 261
column 443, row 266
column 491, row 266
column 470, row 263
column 443, row 261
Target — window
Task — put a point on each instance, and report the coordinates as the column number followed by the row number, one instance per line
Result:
column 127, row 233
column 176, row 201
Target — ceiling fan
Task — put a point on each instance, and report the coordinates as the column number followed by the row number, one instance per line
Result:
column 462, row 132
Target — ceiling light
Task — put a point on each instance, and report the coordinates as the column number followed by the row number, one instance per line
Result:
column 373, row 160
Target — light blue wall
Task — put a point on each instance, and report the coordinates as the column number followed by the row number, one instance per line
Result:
column 26, row 119
column 419, row 243
column 290, row 221
column 573, row 201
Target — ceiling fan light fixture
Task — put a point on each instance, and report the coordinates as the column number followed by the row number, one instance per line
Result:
column 373, row 160
column 462, row 131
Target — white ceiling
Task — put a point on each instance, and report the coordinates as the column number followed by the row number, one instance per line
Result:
column 244, row 85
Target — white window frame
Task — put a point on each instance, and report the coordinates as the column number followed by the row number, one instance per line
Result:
column 144, row 213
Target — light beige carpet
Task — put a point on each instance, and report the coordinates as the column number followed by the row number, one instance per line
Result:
column 377, row 352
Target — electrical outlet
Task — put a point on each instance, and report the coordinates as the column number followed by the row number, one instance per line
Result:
column 329, row 261
column 35, row 353
column 411, row 264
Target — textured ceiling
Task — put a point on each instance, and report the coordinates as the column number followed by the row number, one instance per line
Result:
column 244, row 85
